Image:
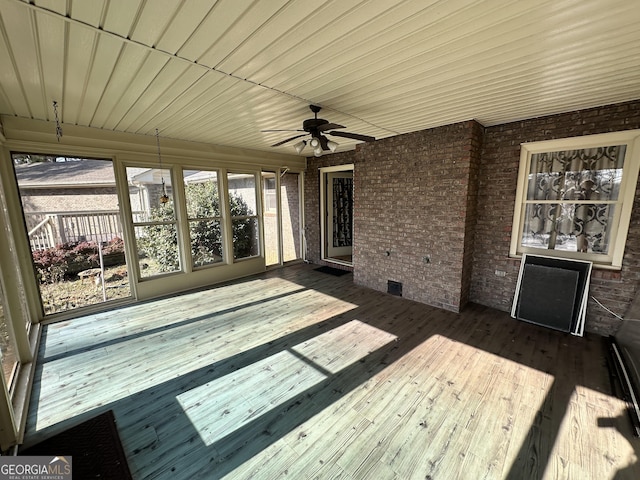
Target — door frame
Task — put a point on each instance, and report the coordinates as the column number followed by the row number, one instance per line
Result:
column 323, row 211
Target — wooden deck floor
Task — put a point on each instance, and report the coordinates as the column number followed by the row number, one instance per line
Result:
column 299, row 374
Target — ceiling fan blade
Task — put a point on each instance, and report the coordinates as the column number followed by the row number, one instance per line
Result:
column 324, row 142
column 329, row 126
column 288, row 140
column 354, row 136
column 265, row 131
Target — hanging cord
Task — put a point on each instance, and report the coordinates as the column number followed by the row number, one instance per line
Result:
column 164, row 198
column 58, row 126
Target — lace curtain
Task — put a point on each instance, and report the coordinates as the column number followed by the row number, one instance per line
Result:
column 571, row 199
column 342, row 212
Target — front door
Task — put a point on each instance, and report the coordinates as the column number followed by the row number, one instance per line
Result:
column 339, row 216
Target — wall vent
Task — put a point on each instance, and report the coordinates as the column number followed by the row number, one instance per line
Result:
column 394, row 288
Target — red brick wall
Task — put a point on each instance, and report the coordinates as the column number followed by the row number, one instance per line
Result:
column 475, row 152
column 290, row 197
column 415, row 198
column 496, row 200
column 449, row 193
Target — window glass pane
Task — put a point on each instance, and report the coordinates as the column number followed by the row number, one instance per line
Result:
column 154, row 220
column 7, row 350
column 586, row 174
column 147, row 189
column 157, row 247
column 242, row 194
column 568, row 227
column 206, row 242
column 245, row 238
column 203, row 210
column 270, row 219
column 270, row 199
column 201, row 191
column 243, row 208
column 72, row 218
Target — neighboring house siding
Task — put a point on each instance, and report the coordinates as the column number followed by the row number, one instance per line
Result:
column 69, row 199
column 245, row 188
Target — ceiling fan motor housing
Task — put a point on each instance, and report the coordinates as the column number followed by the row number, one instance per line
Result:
column 312, row 124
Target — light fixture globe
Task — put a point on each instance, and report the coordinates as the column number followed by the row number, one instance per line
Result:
column 332, row 145
column 300, row 146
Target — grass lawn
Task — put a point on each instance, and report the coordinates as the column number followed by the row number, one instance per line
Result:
column 77, row 292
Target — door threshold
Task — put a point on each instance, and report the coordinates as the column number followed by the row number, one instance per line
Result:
column 338, row 262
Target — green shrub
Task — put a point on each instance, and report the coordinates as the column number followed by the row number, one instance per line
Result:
column 52, row 264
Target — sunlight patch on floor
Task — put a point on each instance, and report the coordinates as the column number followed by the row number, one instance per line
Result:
column 590, row 411
column 221, row 407
column 343, row 346
column 80, row 333
column 107, row 369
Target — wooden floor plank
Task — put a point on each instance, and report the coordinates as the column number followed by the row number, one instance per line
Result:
column 299, row 374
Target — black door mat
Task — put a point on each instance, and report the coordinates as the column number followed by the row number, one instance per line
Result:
column 94, row 447
column 332, row 271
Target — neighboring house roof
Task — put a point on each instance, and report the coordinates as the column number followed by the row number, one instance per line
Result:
column 80, row 173
column 92, row 173
column 65, row 174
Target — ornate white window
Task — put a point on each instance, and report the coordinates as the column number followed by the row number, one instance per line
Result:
column 575, row 195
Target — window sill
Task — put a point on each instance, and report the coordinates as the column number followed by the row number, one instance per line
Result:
column 596, row 266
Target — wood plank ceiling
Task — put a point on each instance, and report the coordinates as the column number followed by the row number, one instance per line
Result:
column 221, row 71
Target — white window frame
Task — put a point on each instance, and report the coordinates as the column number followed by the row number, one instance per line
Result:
column 256, row 216
column 623, row 206
column 215, row 218
column 270, row 195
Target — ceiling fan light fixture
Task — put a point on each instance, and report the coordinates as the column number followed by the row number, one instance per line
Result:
column 300, row 146
column 315, row 142
column 332, row 145
column 317, row 151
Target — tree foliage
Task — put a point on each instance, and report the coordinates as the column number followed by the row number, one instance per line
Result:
column 160, row 241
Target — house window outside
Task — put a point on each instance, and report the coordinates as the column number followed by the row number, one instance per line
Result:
column 244, row 218
column 203, row 213
column 270, row 199
column 574, row 197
